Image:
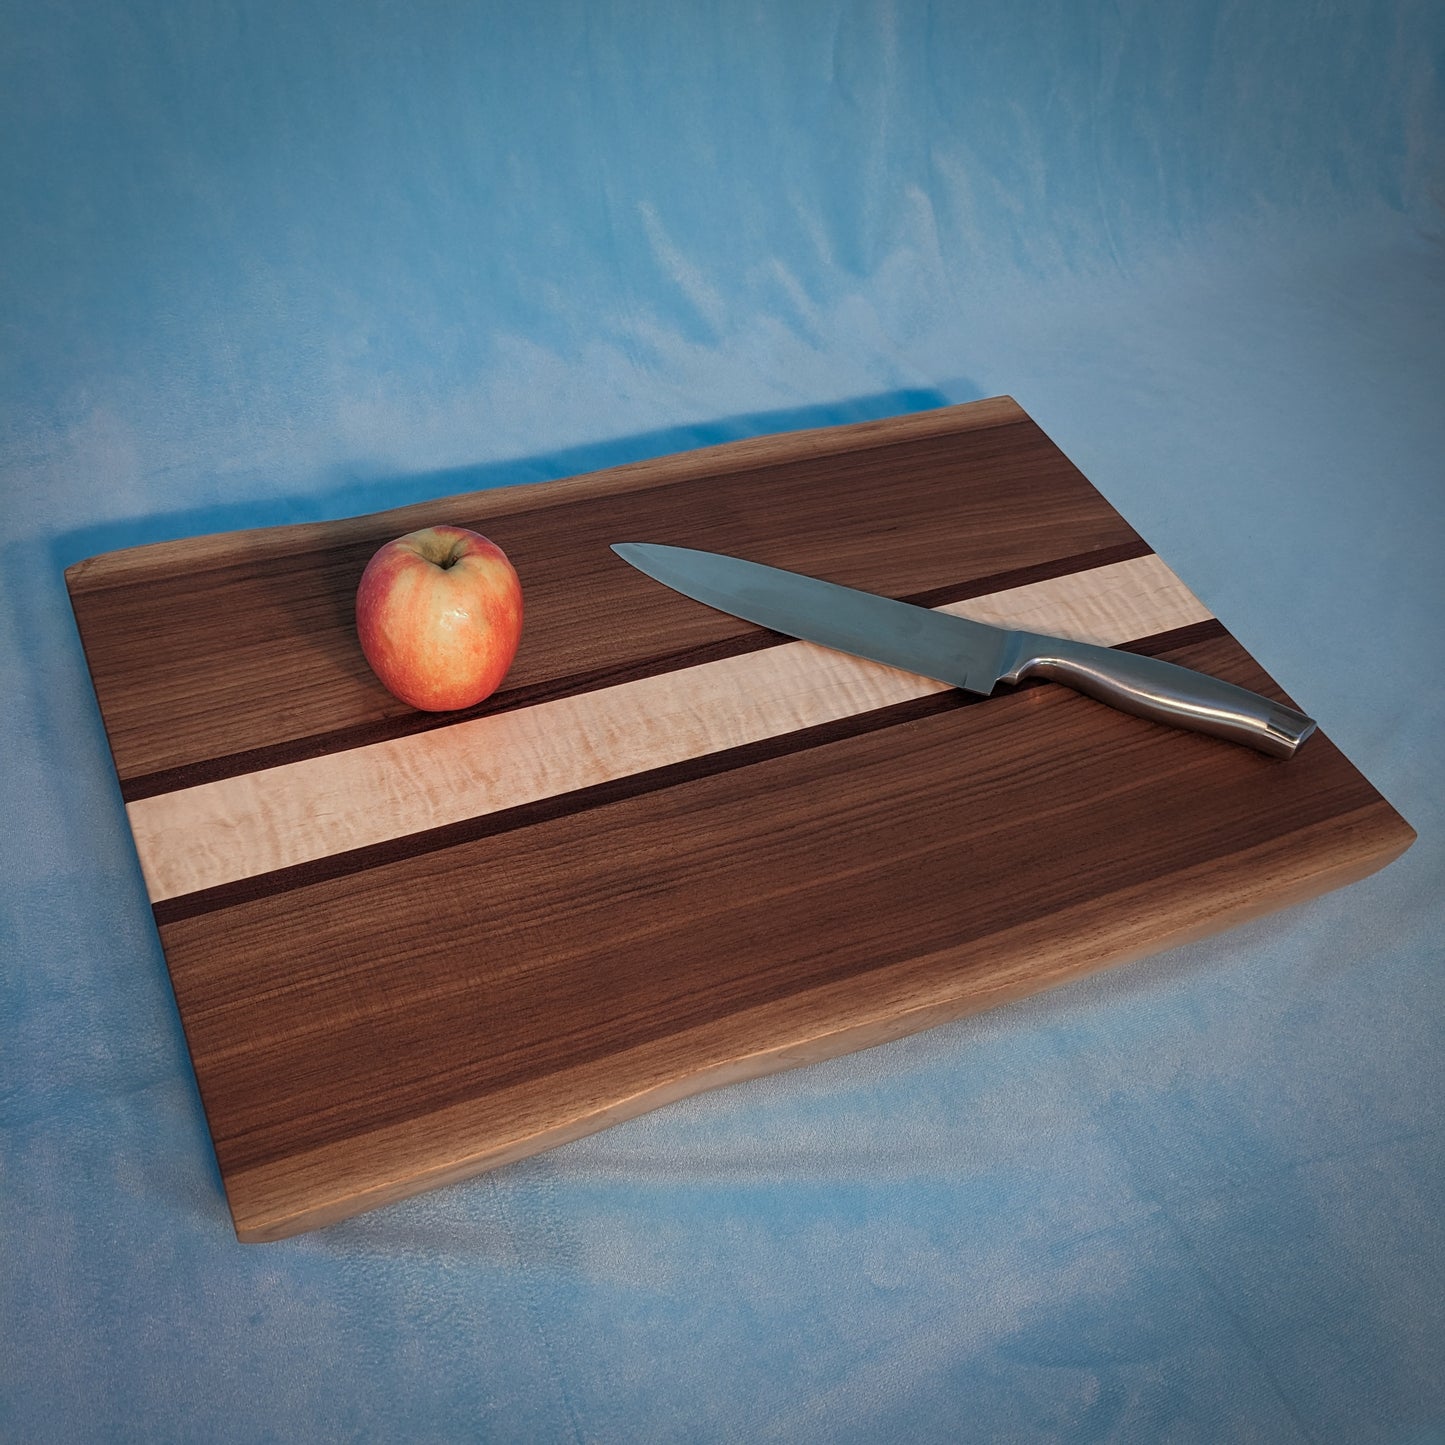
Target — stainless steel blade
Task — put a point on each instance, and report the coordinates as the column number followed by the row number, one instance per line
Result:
column 969, row 654
column 965, row 654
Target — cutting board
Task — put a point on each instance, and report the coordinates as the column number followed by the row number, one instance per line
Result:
column 674, row 850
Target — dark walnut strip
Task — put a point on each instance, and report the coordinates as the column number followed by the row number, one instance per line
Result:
column 242, row 656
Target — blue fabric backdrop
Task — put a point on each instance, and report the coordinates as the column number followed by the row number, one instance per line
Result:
column 275, row 261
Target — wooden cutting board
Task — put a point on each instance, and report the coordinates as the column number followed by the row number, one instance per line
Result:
column 675, row 850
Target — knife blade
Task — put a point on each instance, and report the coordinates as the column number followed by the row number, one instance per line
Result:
column 970, row 655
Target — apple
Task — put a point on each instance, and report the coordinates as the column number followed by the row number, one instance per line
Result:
column 439, row 617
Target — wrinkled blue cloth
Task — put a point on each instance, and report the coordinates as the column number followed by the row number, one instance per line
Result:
column 281, row 261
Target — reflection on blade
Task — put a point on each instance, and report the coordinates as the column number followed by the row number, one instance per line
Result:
column 949, row 649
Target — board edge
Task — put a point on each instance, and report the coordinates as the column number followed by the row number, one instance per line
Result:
column 1387, row 836
column 215, row 550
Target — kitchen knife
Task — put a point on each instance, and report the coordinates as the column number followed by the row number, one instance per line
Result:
column 965, row 654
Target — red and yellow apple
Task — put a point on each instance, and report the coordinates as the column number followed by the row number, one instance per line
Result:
column 439, row 617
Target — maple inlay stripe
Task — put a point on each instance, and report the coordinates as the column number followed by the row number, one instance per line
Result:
column 239, row 827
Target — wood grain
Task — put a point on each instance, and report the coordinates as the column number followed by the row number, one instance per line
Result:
column 275, row 818
column 254, row 649
column 676, row 850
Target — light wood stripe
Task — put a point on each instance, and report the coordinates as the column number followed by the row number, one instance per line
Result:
column 239, row 827
column 601, row 672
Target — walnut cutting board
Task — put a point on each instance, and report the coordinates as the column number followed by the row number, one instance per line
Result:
column 674, row 850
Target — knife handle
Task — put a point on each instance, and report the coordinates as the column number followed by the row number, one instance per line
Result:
column 1164, row 692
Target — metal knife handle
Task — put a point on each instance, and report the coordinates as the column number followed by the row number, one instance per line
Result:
column 1164, row 692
